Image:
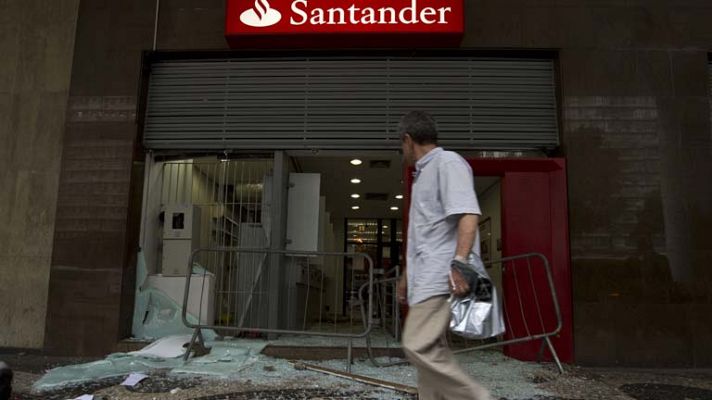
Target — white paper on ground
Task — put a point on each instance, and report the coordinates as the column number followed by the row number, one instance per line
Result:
column 85, row 397
column 167, row 347
column 133, row 380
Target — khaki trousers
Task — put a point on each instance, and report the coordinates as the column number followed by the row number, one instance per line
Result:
column 425, row 345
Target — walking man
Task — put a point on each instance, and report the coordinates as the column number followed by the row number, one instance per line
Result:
column 444, row 214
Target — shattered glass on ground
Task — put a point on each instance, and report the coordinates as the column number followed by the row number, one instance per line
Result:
column 653, row 391
column 503, row 376
column 235, row 369
column 162, row 383
column 226, row 359
column 71, row 391
column 297, row 394
column 239, row 362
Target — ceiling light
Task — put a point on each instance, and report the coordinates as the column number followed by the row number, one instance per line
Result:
column 355, row 181
column 355, row 196
column 355, row 208
column 394, row 208
column 385, row 226
column 356, row 161
column 399, row 197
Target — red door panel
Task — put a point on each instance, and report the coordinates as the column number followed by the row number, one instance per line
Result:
column 534, row 219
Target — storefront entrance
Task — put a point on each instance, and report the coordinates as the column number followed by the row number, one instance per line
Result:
column 255, row 148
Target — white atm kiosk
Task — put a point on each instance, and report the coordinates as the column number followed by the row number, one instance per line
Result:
column 181, row 235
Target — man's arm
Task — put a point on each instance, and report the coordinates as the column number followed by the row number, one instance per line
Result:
column 457, row 191
column 466, row 233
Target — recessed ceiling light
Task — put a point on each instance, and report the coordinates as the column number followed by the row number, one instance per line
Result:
column 356, row 161
column 355, row 208
column 385, row 226
column 394, row 208
column 399, row 197
column 355, row 181
column 355, row 196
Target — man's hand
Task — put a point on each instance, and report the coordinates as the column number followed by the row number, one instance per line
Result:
column 402, row 290
column 459, row 286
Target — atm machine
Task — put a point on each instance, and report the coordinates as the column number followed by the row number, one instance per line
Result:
column 181, row 236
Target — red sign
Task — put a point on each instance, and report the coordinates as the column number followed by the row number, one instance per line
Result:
column 319, row 23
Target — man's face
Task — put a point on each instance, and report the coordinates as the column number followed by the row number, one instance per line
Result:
column 408, row 152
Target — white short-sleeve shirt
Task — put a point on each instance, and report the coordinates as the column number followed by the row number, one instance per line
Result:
column 443, row 190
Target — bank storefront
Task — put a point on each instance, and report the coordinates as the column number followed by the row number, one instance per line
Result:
column 302, row 115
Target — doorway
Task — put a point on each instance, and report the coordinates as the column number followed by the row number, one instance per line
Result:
column 360, row 201
column 534, row 218
column 534, row 212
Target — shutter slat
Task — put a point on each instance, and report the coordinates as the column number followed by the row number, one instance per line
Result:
column 342, row 102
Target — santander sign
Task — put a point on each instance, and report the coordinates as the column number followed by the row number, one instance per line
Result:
column 352, row 21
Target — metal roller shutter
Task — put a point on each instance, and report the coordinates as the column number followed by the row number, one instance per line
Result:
column 332, row 103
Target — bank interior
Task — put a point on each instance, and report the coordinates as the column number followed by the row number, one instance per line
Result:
column 203, row 213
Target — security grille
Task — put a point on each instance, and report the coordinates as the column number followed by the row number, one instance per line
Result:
column 340, row 103
column 233, row 199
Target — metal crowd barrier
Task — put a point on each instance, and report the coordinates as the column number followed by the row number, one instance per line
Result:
column 517, row 271
column 280, row 292
column 387, row 305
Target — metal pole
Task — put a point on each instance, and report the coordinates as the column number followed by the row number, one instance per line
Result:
column 359, row 378
column 553, row 354
column 349, row 355
column 396, row 301
column 278, row 229
column 148, row 188
column 155, row 24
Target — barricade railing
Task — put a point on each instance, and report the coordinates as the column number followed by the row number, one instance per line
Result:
column 279, row 292
column 387, row 306
column 529, row 314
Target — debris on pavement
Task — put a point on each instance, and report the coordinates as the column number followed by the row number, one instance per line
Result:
column 133, row 380
column 504, row 377
column 168, row 347
column 226, row 359
column 303, row 394
column 236, row 369
column 114, row 366
column 160, row 382
column 653, row 391
column 241, row 363
column 358, row 378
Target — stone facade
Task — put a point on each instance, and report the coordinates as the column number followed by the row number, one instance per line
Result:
column 36, row 43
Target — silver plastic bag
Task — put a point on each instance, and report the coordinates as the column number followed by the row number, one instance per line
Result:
column 478, row 315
